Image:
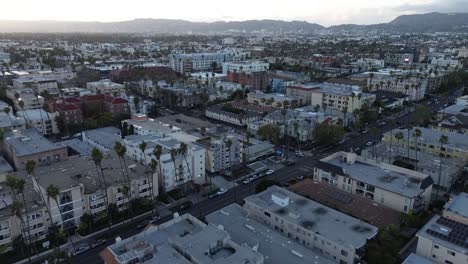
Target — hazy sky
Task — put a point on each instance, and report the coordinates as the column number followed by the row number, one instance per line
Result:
column 326, row 12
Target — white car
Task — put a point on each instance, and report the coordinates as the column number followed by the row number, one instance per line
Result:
column 299, row 154
column 80, row 249
column 221, row 191
column 369, row 143
column 270, row 172
column 246, row 181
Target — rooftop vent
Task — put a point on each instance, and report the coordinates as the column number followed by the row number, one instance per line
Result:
column 280, row 200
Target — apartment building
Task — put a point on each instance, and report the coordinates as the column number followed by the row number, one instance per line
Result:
column 184, row 170
column 303, row 91
column 27, row 96
column 182, row 238
column 429, row 142
column 41, row 120
column 227, row 114
column 103, row 138
column 274, row 100
column 106, row 86
column 444, row 173
column 9, row 122
column 39, row 84
column 392, row 186
column 194, row 62
column 307, row 222
column 220, row 157
column 336, row 98
column 443, row 240
column 245, row 66
column 412, row 84
column 395, row 59
column 21, row 146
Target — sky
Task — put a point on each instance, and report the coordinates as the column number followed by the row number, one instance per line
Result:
column 325, row 12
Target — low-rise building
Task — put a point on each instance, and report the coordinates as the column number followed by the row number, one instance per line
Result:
column 398, row 188
column 274, row 100
column 9, row 122
column 184, row 239
column 102, row 138
column 245, row 66
column 429, row 142
column 227, row 114
column 444, row 238
column 21, row 146
column 308, row 223
column 106, row 86
column 43, row 121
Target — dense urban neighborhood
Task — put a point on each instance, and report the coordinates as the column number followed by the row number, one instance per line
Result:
column 264, row 144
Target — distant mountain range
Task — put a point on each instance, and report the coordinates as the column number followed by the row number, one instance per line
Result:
column 431, row 22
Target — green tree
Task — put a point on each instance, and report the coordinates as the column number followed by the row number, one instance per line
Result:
column 328, row 133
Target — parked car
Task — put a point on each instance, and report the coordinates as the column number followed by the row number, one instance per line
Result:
column 80, row 249
column 300, row 178
column 98, row 242
column 299, row 154
column 269, row 172
column 154, row 219
column 246, row 181
column 221, row 191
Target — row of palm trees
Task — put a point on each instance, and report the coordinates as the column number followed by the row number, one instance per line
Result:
column 17, row 187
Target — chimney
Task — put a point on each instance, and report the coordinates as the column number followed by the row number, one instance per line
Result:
column 351, row 157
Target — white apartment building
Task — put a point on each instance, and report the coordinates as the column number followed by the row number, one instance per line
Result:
column 219, row 157
column 329, row 232
column 27, row 95
column 413, row 85
column 40, row 84
column 443, row 240
column 334, row 98
column 174, row 173
column 193, row 62
column 392, row 186
column 40, row 119
column 274, row 100
column 106, row 86
column 245, row 66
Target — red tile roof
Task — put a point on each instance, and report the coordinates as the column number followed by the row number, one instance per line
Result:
column 89, row 98
column 68, row 107
column 72, row 100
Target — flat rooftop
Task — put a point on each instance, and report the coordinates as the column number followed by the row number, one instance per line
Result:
column 313, row 216
column 415, row 259
column 431, row 137
column 78, row 170
column 446, row 232
column 106, row 136
column 459, row 205
column 182, row 240
column 29, row 142
column 276, row 248
column 353, row 205
column 381, row 175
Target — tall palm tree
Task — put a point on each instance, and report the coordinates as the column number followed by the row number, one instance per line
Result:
column 173, row 152
column 153, row 166
column 399, row 136
column 30, row 169
column 183, row 149
column 53, row 193
column 408, row 129
column 17, row 210
column 157, row 152
column 142, row 147
column 7, row 110
column 97, row 157
column 417, row 134
column 126, row 192
column 443, row 140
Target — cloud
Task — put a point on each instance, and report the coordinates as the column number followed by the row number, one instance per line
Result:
column 443, row 6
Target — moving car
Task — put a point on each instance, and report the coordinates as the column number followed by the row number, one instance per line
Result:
column 221, row 191
column 269, row 172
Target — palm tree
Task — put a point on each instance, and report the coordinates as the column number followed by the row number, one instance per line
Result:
column 53, row 193
column 30, row 169
column 183, row 148
column 417, row 134
column 17, row 208
column 120, row 149
column 126, row 193
column 7, row 109
column 399, row 136
column 97, row 157
column 157, row 152
column 443, row 140
column 142, row 147
column 153, row 166
column 173, row 152
column 408, row 129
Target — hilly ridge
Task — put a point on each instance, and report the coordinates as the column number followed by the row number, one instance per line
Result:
column 419, row 23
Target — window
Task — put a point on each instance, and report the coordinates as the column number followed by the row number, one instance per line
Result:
column 267, row 214
column 451, row 253
column 448, row 262
column 344, row 253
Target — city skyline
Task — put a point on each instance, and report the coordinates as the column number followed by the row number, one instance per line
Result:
column 333, row 12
